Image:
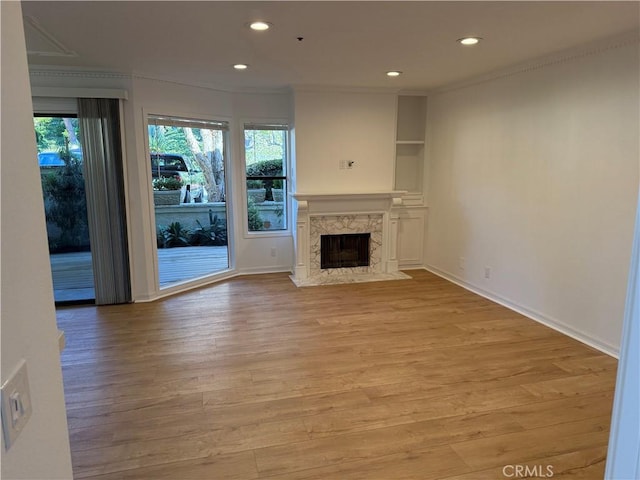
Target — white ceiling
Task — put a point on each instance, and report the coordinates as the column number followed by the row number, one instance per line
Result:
column 345, row 43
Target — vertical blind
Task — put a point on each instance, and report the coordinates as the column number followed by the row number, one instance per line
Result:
column 99, row 120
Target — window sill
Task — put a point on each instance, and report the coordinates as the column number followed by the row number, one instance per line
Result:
column 267, row 234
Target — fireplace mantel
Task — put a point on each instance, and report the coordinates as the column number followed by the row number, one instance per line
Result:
column 338, row 213
column 396, row 194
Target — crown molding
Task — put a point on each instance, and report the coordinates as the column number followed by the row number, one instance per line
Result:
column 563, row 56
column 88, row 73
column 343, row 89
column 74, row 92
column 46, row 71
column 216, row 88
column 413, row 93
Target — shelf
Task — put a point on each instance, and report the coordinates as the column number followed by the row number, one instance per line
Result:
column 410, row 146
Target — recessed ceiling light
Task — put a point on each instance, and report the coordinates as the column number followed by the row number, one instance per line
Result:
column 394, row 73
column 241, row 66
column 469, row 40
column 259, row 26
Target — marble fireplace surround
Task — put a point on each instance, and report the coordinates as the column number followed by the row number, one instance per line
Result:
column 340, row 213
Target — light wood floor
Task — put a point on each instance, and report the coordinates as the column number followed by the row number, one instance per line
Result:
column 255, row 378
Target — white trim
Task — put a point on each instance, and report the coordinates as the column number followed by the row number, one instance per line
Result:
column 127, row 195
column 343, row 89
column 242, row 174
column 264, row 270
column 77, row 92
column 218, row 88
column 91, row 73
column 413, row 93
column 161, row 292
column 188, row 286
column 349, row 196
column 267, row 234
column 527, row 312
column 79, row 72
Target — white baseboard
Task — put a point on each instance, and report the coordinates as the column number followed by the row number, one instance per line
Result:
column 553, row 323
column 259, row 270
column 187, row 286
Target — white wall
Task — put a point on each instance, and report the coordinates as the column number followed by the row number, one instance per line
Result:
column 27, row 314
column 536, row 176
column 334, row 126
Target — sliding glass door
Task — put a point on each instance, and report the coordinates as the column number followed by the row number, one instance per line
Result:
column 60, row 159
column 187, row 162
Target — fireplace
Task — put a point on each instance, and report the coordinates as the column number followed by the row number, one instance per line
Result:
column 348, row 216
column 344, row 251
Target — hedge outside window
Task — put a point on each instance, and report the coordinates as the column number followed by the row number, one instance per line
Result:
column 265, row 155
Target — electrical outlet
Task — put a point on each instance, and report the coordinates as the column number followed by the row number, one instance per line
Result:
column 350, row 164
column 274, row 252
column 342, row 164
column 16, row 404
column 487, row 272
column 461, row 263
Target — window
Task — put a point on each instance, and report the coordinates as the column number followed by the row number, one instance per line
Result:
column 187, row 162
column 265, row 157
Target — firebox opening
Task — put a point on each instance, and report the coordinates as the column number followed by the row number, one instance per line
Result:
column 344, row 251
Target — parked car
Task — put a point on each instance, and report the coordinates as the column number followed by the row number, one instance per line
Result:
column 53, row 159
column 169, row 165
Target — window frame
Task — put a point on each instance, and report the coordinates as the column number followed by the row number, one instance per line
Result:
column 197, row 120
column 279, row 124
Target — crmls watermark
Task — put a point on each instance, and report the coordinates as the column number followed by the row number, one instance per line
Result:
column 527, row 471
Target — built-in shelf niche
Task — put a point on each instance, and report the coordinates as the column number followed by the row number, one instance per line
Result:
column 410, row 131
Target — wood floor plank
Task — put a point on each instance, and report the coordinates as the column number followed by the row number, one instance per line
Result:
column 534, row 444
column 574, row 385
column 253, row 378
column 587, row 464
column 334, row 450
column 425, row 464
column 233, row 466
column 564, row 410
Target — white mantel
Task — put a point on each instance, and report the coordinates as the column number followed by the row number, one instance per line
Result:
column 335, row 213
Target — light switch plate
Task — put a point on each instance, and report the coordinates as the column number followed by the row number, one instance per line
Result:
column 16, row 404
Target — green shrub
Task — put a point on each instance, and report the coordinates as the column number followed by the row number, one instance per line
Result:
column 265, row 168
column 253, row 216
column 167, row 183
column 174, row 235
column 66, row 204
column 213, row 235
